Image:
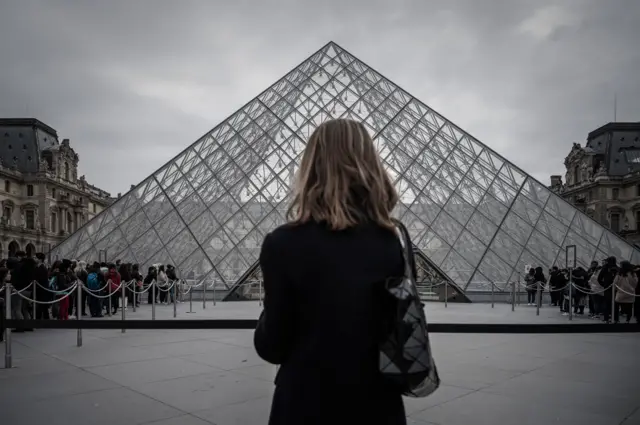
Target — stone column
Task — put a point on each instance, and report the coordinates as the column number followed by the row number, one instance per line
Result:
column 63, row 219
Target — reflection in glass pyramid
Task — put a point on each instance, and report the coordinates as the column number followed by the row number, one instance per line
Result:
column 475, row 215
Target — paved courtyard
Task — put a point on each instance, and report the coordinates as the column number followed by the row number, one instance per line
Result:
column 185, row 377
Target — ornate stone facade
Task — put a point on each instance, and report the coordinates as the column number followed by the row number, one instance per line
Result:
column 603, row 178
column 43, row 200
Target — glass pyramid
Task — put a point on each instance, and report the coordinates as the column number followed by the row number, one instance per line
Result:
column 474, row 214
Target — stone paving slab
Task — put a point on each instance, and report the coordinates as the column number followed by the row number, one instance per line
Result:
column 204, row 377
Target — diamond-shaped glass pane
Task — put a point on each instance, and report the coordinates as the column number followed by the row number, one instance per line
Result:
column 469, row 210
column 552, row 228
column 479, row 283
column 470, row 248
column 560, row 210
column 517, row 228
column 457, row 268
column 447, row 228
column 481, row 227
column 614, row 246
column 434, row 247
column 492, row 208
column 506, row 247
column 495, row 269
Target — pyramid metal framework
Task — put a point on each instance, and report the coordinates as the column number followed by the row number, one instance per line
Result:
column 473, row 213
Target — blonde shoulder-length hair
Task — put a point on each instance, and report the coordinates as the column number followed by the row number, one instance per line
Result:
column 341, row 180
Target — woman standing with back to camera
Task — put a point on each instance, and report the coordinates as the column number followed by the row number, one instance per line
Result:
column 323, row 273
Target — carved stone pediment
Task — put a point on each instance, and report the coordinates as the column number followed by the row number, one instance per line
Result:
column 615, row 209
column 28, row 206
column 8, row 203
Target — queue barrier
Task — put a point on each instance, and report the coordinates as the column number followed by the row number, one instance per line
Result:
column 247, row 324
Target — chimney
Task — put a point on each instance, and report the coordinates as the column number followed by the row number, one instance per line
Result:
column 556, row 181
column 119, row 195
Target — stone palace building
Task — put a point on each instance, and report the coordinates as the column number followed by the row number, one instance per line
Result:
column 43, row 199
column 603, row 178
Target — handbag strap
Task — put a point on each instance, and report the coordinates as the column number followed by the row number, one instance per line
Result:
column 405, row 242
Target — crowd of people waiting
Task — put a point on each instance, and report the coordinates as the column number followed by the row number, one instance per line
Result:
column 51, row 287
column 609, row 290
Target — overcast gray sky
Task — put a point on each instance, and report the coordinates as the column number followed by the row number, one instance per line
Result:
column 132, row 83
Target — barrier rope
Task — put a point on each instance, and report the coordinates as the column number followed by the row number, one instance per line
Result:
column 592, row 292
column 18, row 291
column 67, row 293
column 167, row 288
column 617, row 288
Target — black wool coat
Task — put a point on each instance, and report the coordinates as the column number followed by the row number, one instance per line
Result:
column 322, row 320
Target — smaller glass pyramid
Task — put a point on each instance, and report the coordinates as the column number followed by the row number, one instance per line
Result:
column 476, row 216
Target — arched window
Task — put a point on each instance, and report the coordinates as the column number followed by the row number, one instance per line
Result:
column 31, row 250
column 66, row 171
column 13, row 248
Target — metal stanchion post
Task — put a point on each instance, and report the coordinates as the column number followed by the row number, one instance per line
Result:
column 518, row 290
column 492, row 295
column 109, row 300
column 34, row 303
column 513, row 296
column 79, row 311
column 190, row 300
column 538, row 300
column 214, row 292
column 570, row 255
column 204, row 295
column 175, row 300
column 123, row 296
column 612, row 316
column 153, row 300
column 446, row 293
column 260, row 293
column 570, row 294
column 7, row 313
column 135, row 300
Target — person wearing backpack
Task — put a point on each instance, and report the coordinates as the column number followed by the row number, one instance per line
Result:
column 93, row 286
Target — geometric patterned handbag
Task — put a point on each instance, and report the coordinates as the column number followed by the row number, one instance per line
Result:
column 406, row 361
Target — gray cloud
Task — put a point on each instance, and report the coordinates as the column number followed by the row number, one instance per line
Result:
column 133, row 83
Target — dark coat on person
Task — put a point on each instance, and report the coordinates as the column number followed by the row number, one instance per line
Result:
column 606, row 277
column 581, row 281
column 557, row 280
column 24, row 273
column 42, row 277
column 322, row 323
